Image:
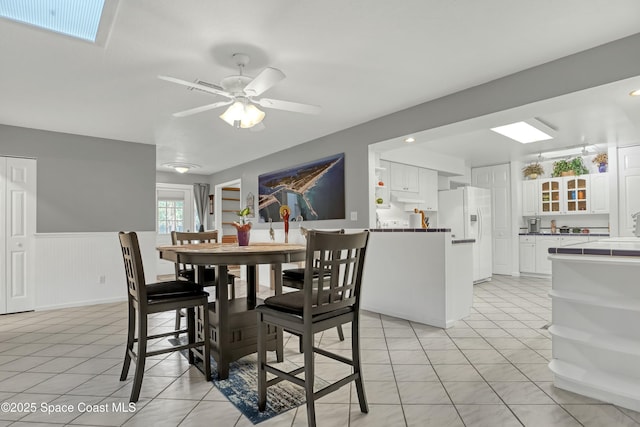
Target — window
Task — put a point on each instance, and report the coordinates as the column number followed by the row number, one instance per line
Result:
column 170, row 216
column 89, row 20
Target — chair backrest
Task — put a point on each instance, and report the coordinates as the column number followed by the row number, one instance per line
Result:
column 184, row 238
column 229, row 238
column 133, row 268
column 340, row 260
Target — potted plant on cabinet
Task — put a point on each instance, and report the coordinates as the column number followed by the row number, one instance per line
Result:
column 533, row 170
column 561, row 168
column 578, row 167
column 569, row 167
column 601, row 159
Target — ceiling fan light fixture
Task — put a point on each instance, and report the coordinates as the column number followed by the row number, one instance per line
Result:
column 242, row 115
column 181, row 167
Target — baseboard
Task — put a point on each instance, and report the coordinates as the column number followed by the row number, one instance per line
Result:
column 80, row 304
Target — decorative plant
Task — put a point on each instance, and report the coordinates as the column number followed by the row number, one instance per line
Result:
column 560, row 166
column 533, row 169
column 243, row 227
column 243, row 217
column 601, row 158
column 578, row 166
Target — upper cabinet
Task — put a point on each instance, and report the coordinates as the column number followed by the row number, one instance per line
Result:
column 530, row 198
column 404, row 177
column 576, row 194
column 550, row 196
column 570, row 195
column 600, row 193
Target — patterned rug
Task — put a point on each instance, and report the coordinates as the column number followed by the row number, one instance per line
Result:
column 241, row 388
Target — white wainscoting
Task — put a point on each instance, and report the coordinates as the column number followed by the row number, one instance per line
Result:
column 70, row 268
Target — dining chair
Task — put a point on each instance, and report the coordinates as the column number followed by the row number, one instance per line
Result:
column 294, row 278
column 188, row 272
column 333, row 300
column 148, row 298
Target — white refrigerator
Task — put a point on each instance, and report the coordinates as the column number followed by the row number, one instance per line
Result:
column 467, row 212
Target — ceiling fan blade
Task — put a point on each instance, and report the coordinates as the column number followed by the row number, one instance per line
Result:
column 196, row 86
column 264, row 81
column 201, row 109
column 288, row 106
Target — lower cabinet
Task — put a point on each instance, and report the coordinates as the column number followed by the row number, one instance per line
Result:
column 534, row 250
column 527, row 254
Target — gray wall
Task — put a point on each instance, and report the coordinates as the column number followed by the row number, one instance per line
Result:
column 594, row 67
column 87, row 184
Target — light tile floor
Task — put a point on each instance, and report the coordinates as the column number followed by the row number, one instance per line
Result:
column 488, row 370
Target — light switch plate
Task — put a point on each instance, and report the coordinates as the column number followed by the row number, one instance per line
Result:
column 354, row 216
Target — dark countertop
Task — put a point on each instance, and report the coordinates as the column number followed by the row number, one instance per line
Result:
column 411, row 230
column 617, row 246
column 455, row 241
column 564, row 234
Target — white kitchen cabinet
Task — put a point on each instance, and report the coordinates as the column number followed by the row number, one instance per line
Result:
column 550, row 201
column 429, row 189
column 577, row 196
column 527, row 254
column 404, row 177
column 530, row 197
column 543, row 243
column 534, row 250
column 599, row 193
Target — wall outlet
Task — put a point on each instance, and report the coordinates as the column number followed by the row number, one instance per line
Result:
column 354, row 216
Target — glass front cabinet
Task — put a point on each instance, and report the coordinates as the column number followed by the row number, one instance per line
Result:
column 550, row 196
column 576, row 194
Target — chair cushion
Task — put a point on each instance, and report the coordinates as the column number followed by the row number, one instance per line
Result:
column 173, row 289
column 292, row 302
column 297, row 274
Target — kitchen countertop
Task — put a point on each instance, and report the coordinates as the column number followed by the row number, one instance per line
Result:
column 564, row 234
column 411, row 230
column 617, row 246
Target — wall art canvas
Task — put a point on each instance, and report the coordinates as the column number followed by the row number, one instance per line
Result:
column 313, row 191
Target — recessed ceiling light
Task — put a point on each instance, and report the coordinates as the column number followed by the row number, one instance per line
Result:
column 410, row 140
column 635, row 92
column 522, row 132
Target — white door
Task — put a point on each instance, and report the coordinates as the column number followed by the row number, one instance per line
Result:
column 174, row 212
column 497, row 179
column 18, row 205
column 629, row 187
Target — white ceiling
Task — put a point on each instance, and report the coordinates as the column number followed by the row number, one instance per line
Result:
column 358, row 59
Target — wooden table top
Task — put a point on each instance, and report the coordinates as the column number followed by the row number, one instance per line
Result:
column 231, row 253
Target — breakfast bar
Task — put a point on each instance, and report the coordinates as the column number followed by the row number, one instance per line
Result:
column 596, row 312
column 422, row 275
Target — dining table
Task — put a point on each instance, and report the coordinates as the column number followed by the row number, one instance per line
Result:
column 233, row 322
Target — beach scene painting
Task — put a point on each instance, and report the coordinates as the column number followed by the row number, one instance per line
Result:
column 313, row 191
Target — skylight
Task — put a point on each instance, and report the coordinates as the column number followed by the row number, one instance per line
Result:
column 76, row 18
column 522, row 132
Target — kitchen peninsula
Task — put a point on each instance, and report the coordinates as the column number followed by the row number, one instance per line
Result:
column 422, row 275
column 596, row 311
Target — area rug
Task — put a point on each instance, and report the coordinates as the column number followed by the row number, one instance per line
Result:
column 241, row 388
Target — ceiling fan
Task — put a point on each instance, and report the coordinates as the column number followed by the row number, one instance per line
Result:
column 241, row 92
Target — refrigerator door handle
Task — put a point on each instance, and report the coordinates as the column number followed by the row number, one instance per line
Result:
column 479, row 224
